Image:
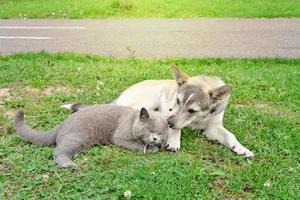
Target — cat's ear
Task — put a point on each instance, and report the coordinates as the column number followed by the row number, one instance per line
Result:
column 144, row 114
column 180, row 76
column 220, row 93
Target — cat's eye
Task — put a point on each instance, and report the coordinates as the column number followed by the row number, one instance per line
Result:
column 191, row 111
column 178, row 102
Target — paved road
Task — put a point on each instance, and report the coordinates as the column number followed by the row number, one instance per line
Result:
column 155, row 38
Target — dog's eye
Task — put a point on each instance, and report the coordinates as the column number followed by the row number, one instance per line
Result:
column 170, row 109
column 178, row 102
column 191, row 111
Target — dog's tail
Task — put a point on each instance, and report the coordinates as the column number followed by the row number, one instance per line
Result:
column 28, row 134
column 75, row 106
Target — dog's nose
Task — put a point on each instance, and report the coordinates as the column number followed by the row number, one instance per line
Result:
column 171, row 125
column 154, row 138
column 171, row 121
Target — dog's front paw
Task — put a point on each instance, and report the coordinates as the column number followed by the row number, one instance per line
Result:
column 173, row 141
column 173, row 149
column 173, row 146
column 241, row 150
column 248, row 154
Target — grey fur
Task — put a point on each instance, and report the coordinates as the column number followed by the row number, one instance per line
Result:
column 99, row 124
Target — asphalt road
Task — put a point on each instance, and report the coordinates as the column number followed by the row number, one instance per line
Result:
column 155, row 38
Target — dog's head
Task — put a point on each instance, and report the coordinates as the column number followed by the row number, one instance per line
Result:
column 193, row 102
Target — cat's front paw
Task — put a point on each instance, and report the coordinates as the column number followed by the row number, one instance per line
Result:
column 150, row 149
column 73, row 166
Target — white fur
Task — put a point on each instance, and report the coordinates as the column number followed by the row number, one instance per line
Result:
column 67, row 106
column 151, row 94
column 162, row 94
column 214, row 130
column 173, row 141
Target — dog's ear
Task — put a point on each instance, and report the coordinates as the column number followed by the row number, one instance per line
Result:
column 220, row 93
column 180, row 76
column 144, row 114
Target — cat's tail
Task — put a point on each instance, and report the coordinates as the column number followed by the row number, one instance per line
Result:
column 28, row 134
column 75, row 106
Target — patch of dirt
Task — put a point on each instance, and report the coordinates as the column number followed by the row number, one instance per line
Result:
column 9, row 113
column 218, row 183
column 4, row 92
column 2, row 130
column 239, row 105
column 267, row 107
column 274, row 110
column 4, row 127
column 4, row 168
column 248, row 189
column 49, row 90
column 32, row 90
column 5, row 95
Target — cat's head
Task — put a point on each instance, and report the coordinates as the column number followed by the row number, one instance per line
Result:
column 150, row 127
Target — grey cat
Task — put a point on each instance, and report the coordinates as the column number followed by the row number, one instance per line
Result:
column 99, row 124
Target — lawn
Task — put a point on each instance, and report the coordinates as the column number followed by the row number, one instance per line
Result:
column 264, row 114
column 147, row 9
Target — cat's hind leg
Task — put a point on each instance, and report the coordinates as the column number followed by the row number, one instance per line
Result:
column 65, row 151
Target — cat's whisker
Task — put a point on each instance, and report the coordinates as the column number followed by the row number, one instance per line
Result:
column 145, row 148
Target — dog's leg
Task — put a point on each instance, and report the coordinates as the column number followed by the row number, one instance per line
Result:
column 225, row 137
column 173, row 141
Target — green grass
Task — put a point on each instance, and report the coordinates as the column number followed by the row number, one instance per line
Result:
column 263, row 113
column 147, row 9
